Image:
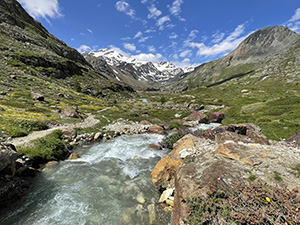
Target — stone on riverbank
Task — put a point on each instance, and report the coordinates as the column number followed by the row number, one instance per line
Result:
column 156, row 129
column 8, row 156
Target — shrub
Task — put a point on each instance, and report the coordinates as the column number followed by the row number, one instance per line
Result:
column 252, row 204
column 163, row 100
column 77, row 86
column 168, row 141
column 50, row 147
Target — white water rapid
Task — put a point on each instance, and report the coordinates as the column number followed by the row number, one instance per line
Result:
column 109, row 185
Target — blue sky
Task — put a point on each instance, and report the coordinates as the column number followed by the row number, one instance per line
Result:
column 185, row 32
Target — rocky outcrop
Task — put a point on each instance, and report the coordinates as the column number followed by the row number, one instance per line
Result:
column 8, row 156
column 223, row 173
column 15, row 175
column 248, row 131
column 295, row 140
column 231, row 175
column 163, row 174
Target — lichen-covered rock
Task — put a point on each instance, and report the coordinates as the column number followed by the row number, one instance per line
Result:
column 238, row 175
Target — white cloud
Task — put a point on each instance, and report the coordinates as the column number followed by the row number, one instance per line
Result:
column 155, row 58
column 296, row 16
column 42, row 8
column 143, row 39
column 294, row 22
column 217, row 37
column 89, row 30
column 154, row 12
column 173, row 36
column 186, row 53
column 84, row 48
column 151, row 48
column 144, row 1
column 129, row 46
column 123, row 6
column 138, row 34
column 295, row 26
column 193, row 34
column 125, row 38
column 150, row 31
column 175, row 9
column 175, row 56
column 184, row 63
column 228, row 44
column 161, row 21
column 119, row 51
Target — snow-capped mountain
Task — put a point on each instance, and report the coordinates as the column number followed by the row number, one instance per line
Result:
column 140, row 70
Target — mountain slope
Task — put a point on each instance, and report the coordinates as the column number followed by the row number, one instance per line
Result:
column 34, row 61
column 258, row 82
column 267, row 52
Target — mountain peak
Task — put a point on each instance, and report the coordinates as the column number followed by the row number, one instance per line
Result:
column 142, row 70
column 264, row 42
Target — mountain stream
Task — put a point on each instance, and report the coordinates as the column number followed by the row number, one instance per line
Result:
column 109, row 185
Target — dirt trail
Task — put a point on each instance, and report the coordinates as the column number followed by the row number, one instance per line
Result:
column 88, row 122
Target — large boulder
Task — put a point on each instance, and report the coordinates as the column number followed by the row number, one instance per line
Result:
column 238, row 182
column 156, row 129
column 144, row 122
column 163, row 174
column 186, row 144
column 216, row 117
column 197, row 116
column 250, row 130
column 37, row 96
column 8, row 156
column 73, row 114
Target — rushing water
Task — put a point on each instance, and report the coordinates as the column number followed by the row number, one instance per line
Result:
column 110, row 184
column 203, row 126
